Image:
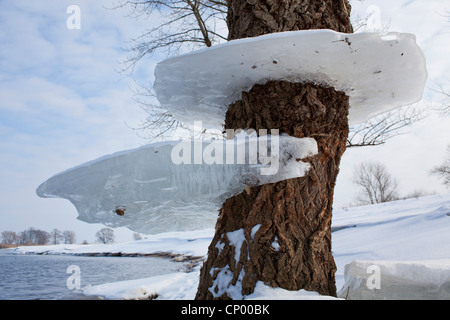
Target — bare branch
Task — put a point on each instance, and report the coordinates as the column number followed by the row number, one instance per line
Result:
column 379, row 129
column 188, row 24
column 185, row 23
column 444, row 93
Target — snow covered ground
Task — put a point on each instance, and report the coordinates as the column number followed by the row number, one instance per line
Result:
column 407, row 241
column 386, row 251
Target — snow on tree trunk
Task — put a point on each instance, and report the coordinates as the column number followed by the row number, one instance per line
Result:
column 280, row 233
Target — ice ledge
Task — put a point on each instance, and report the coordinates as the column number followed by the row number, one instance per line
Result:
column 381, row 280
column 378, row 73
column 176, row 185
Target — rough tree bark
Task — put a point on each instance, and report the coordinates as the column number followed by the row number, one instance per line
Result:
column 250, row 18
column 286, row 226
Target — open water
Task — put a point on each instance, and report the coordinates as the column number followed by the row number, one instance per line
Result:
column 29, row 277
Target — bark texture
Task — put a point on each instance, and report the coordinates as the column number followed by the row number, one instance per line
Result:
column 280, row 233
column 287, row 225
column 250, row 18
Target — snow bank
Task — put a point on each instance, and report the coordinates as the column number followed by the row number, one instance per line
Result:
column 397, row 236
column 183, row 286
column 188, row 243
column 412, row 229
column 177, row 185
column 428, row 279
column 378, row 73
column 173, row 286
column 265, row 292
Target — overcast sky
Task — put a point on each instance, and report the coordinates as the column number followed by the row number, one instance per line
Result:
column 63, row 102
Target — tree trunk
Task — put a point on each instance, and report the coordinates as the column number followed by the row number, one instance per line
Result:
column 280, row 233
column 251, row 18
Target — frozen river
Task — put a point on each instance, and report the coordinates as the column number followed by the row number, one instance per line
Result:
column 28, row 277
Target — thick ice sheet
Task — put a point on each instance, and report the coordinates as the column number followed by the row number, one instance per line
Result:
column 379, row 73
column 422, row 279
column 266, row 292
column 173, row 186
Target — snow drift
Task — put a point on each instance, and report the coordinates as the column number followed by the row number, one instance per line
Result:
column 378, row 73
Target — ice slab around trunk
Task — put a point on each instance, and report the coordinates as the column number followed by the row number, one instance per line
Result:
column 378, row 73
column 177, row 185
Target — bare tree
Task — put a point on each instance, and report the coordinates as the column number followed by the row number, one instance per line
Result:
column 34, row 236
column 444, row 93
column 193, row 23
column 24, row 238
column 443, row 90
column 10, row 237
column 68, row 236
column 200, row 23
column 56, row 236
column 185, row 23
column 159, row 122
column 443, row 171
column 376, row 183
column 105, row 235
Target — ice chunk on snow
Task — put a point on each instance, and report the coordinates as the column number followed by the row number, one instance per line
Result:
column 378, row 73
column 173, row 286
column 428, row 279
column 265, row 292
column 145, row 189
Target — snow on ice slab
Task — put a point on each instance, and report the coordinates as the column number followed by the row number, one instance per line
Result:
column 173, row 286
column 428, row 279
column 378, row 73
column 173, row 186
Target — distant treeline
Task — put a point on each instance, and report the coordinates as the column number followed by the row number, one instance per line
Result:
column 33, row 236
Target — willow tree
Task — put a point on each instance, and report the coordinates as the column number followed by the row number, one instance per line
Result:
column 278, row 232
column 296, row 212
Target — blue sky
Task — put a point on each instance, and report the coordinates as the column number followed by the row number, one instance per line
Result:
column 63, row 102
